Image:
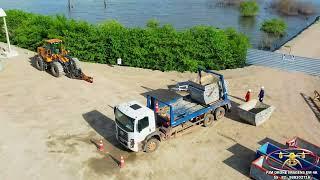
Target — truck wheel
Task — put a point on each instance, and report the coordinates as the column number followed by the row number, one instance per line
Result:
column 57, row 69
column 39, row 63
column 152, row 145
column 208, row 120
column 219, row 113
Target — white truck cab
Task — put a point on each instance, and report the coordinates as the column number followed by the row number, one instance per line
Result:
column 134, row 125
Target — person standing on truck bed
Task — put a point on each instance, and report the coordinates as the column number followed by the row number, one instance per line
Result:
column 261, row 94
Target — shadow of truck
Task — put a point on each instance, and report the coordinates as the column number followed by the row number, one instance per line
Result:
column 241, row 158
column 104, row 126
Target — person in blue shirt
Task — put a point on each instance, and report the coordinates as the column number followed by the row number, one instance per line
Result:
column 261, row 94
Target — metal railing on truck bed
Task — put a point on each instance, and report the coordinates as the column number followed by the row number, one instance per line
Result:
column 176, row 119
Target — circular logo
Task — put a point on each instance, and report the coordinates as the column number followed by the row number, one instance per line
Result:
column 292, row 159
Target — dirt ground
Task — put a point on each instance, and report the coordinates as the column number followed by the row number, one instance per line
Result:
column 305, row 44
column 47, row 124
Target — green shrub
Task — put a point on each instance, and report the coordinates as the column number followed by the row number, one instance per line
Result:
column 249, row 8
column 274, row 26
column 153, row 23
column 154, row 47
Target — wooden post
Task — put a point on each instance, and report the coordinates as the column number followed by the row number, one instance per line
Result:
column 70, row 6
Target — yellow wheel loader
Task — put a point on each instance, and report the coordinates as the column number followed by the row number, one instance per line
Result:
column 53, row 57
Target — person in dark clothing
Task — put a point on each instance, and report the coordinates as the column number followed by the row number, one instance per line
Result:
column 199, row 75
column 261, row 94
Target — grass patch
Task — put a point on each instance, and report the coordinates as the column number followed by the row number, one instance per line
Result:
column 274, row 26
column 249, row 8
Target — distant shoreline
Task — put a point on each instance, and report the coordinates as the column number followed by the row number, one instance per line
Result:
column 306, row 43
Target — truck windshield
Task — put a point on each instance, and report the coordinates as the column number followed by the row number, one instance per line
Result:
column 124, row 121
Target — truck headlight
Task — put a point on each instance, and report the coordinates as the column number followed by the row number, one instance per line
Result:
column 131, row 143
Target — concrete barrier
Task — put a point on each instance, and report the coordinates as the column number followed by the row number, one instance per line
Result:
column 255, row 112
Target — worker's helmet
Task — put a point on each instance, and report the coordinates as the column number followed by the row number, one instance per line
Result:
column 249, row 90
column 262, row 87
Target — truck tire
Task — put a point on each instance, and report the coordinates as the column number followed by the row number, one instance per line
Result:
column 39, row 63
column 57, row 69
column 208, row 120
column 76, row 63
column 152, row 145
column 219, row 113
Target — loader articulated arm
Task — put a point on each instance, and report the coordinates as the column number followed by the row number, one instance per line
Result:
column 74, row 71
column 86, row 78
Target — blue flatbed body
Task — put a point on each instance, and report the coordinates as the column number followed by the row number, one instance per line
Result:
column 182, row 109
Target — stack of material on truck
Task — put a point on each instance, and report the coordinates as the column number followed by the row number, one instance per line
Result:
column 205, row 79
column 205, row 90
column 272, row 161
column 255, row 112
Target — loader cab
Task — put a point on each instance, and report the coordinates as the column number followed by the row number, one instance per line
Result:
column 134, row 123
column 54, row 46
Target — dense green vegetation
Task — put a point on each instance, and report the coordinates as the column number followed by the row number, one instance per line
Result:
column 249, row 8
column 153, row 47
column 274, row 26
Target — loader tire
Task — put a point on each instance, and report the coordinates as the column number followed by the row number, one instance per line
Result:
column 39, row 63
column 57, row 69
column 152, row 145
column 76, row 63
column 208, row 120
column 219, row 113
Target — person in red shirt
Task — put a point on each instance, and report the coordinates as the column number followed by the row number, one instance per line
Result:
column 248, row 95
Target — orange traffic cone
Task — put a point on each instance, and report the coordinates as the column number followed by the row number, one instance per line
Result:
column 156, row 107
column 121, row 162
column 100, row 146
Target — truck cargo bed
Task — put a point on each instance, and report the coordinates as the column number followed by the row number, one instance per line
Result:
column 183, row 107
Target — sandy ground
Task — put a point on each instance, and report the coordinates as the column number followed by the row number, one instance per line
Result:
column 47, row 124
column 306, row 44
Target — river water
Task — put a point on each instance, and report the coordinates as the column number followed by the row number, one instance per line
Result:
column 180, row 13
